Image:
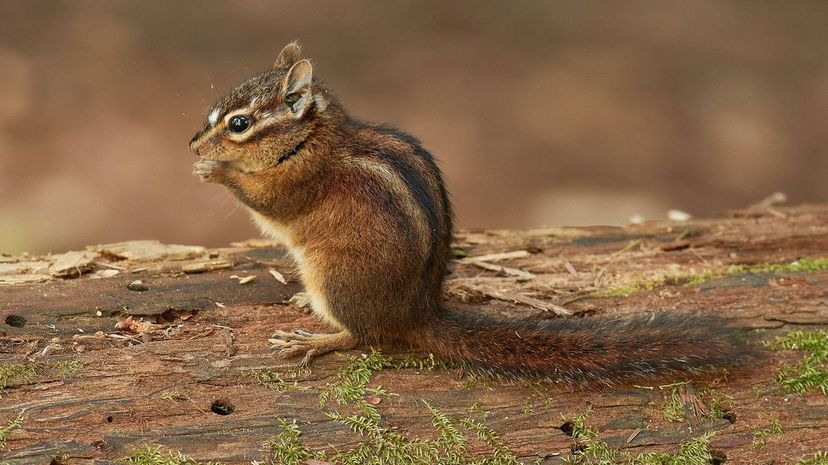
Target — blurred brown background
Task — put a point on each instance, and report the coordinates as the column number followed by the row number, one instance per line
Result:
column 541, row 112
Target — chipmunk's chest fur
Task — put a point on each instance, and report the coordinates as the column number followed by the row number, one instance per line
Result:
column 308, row 269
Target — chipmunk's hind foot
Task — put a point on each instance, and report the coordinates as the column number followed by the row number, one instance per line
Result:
column 299, row 342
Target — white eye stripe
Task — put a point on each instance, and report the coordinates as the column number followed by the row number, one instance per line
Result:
column 214, row 116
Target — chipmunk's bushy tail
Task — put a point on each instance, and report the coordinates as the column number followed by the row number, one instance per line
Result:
column 587, row 351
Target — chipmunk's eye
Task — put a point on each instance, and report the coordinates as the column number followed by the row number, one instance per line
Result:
column 239, row 124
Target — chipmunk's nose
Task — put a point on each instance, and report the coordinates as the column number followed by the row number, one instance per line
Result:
column 193, row 142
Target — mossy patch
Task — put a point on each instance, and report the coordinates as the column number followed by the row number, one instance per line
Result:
column 820, row 458
column 673, row 408
column 279, row 382
column 761, row 435
column 286, row 448
column 17, row 374
column 67, row 367
column 382, row 444
column 173, row 396
column 12, row 374
column 156, row 456
column 811, row 372
column 12, row 425
column 592, row 451
column 802, row 265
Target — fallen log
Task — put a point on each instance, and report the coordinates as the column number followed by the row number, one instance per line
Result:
column 108, row 353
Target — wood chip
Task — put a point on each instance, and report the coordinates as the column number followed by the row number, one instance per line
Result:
column 24, row 278
column 678, row 215
column 149, row 250
column 130, row 325
column 104, row 274
column 530, row 301
column 73, row 264
column 504, row 269
column 497, row 256
column 247, row 279
column 571, row 269
column 279, row 277
column 204, row 266
column 777, row 198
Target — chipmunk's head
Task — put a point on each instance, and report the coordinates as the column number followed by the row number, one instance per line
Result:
column 265, row 119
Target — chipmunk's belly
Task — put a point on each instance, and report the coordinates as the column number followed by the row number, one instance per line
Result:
column 314, row 287
column 272, row 229
column 307, row 269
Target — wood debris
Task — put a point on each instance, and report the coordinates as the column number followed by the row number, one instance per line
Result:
column 206, row 265
column 504, row 269
column 73, row 264
column 530, row 301
column 279, row 276
column 244, row 279
column 497, row 256
column 148, row 251
column 678, row 215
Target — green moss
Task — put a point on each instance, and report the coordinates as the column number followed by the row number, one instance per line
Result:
column 67, row 367
column 155, row 456
column 803, row 265
column 820, row 458
column 173, row 396
column 717, row 407
column 673, row 409
column 354, row 376
column 12, row 425
column 761, row 435
column 276, row 381
column 11, row 374
column 701, row 278
column 624, row 291
column 286, row 448
column 17, row 374
column 457, row 252
column 382, row 444
column 593, row 451
column 809, row 373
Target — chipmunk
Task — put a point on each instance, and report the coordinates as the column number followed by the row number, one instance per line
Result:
column 365, row 214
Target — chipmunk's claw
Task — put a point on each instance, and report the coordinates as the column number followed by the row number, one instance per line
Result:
column 298, row 342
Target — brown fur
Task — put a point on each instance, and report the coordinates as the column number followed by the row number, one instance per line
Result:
column 365, row 214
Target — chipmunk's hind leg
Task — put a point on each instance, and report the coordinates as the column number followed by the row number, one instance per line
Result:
column 299, row 341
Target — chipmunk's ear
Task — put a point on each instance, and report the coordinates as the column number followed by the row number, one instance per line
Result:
column 288, row 56
column 296, row 88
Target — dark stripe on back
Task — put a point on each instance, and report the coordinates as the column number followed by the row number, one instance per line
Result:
column 414, row 179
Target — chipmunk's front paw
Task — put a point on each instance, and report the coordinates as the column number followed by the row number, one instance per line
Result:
column 210, row 170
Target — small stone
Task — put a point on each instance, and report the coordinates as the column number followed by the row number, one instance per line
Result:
column 137, row 286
